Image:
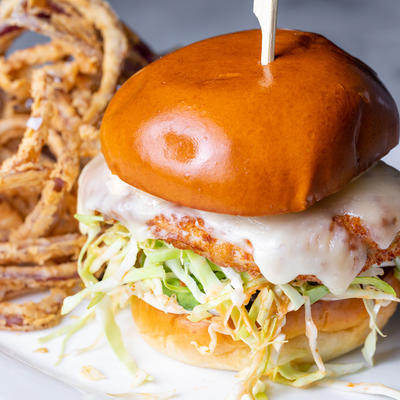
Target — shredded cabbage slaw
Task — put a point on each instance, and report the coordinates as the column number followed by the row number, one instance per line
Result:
column 249, row 309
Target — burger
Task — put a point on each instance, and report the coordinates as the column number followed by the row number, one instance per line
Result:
column 244, row 211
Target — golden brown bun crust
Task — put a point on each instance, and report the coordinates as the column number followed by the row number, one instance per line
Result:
column 208, row 127
column 343, row 326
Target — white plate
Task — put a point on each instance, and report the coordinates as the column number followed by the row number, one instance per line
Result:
column 21, row 379
column 26, row 374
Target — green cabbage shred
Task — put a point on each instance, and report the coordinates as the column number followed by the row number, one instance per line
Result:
column 254, row 313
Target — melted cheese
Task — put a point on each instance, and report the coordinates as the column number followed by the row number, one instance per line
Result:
column 283, row 246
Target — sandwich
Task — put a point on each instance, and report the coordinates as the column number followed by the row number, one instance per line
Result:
column 243, row 211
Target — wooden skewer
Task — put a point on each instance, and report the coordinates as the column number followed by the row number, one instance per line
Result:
column 267, row 12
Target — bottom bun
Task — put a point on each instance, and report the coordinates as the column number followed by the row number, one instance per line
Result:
column 174, row 334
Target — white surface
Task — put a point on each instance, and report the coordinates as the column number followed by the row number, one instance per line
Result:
column 19, row 382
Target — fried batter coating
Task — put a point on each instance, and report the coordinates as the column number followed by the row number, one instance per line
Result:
column 32, row 316
column 17, row 279
column 190, row 233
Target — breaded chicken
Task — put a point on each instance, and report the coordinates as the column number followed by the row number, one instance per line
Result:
column 190, row 233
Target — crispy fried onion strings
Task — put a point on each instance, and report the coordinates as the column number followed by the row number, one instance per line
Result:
column 52, row 99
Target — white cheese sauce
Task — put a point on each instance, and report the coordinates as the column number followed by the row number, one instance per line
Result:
column 283, row 246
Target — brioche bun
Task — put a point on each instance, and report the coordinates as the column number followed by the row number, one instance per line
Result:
column 342, row 326
column 210, row 128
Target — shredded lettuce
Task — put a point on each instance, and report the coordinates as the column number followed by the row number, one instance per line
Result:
column 312, row 336
column 89, row 220
column 176, row 267
column 364, row 388
column 297, row 300
column 113, row 334
column 314, row 292
column 397, row 269
column 200, row 268
column 183, row 295
column 354, row 292
column 373, row 288
column 66, row 332
column 304, row 375
column 369, row 348
column 296, row 377
column 375, row 282
column 249, row 309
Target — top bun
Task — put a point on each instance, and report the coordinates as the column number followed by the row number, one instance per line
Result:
column 209, row 127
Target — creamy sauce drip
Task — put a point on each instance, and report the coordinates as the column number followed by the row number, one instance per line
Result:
column 283, row 246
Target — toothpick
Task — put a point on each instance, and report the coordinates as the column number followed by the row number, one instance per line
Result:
column 267, row 12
